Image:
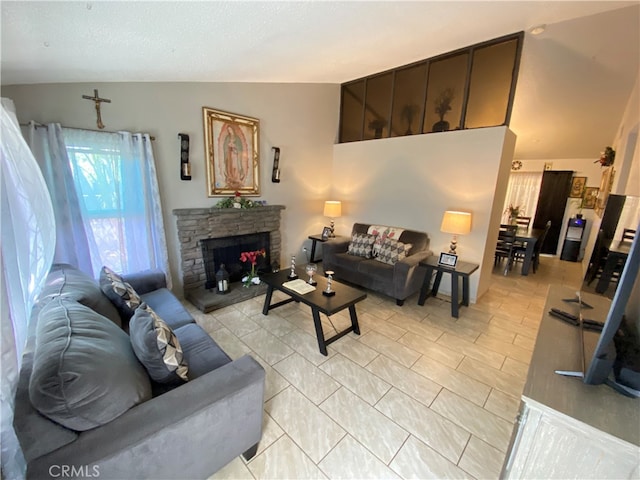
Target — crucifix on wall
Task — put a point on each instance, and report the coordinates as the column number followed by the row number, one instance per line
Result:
column 98, row 101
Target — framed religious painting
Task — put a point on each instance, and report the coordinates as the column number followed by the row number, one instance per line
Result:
column 590, row 197
column 577, row 187
column 232, row 153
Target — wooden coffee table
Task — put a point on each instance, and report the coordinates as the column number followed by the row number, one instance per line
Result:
column 345, row 297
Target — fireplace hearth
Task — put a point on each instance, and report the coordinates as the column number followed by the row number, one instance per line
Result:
column 197, row 226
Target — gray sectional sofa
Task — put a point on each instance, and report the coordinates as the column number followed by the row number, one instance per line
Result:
column 398, row 280
column 87, row 407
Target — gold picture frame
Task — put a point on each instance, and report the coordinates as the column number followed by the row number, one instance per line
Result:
column 232, row 152
column 590, row 197
column 577, row 187
column 606, row 182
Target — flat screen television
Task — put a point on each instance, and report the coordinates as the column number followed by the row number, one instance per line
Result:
column 615, row 360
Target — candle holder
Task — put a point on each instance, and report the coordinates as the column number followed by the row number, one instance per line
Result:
column 328, row 292
column 292, row 273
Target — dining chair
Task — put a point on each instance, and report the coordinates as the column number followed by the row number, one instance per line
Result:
column 628, row 234
column 504, row 246
column 523, row 221
column 519, row 250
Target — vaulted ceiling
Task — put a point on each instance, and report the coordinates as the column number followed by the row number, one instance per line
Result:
column 574, row 83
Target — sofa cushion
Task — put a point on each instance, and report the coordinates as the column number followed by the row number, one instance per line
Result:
column 168, row 307
column 123, row 296
column 200, row 350
column 383, row 232
column 157, row 347
column 392, row 251
column 85, row 373
column 72, row 283
column 361, row 245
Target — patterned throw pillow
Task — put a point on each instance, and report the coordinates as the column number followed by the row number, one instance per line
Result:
column 157, row 346
column 361, row 245
column 381, row 233
column 393, row 251
column 121, row 294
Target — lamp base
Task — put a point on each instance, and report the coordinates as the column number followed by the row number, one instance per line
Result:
column 454, row 245
column 331, row 226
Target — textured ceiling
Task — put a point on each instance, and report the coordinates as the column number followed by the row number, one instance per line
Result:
column 574, row 83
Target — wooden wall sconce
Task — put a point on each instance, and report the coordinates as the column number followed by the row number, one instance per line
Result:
column 275, row 175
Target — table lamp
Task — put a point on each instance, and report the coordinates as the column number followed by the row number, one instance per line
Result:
column 332, row 209
column 458, row 223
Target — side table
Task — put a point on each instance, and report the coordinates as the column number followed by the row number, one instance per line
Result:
column 314, row 239
column 461, row 271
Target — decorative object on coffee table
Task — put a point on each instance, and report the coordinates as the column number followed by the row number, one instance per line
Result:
column 311, row 269
column 332, row 209
column 292, row 273
column 457, row 223
column 232, row 153
column 327, row 292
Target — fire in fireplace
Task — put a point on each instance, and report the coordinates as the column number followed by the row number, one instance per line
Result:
column 227, row 250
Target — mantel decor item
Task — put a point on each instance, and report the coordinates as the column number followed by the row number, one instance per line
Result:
column 232, row 153
column 332, row 209
column 238, row 201
column 457, row 223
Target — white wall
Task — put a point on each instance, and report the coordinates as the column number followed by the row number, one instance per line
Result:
column 410, row 181
column 301, row 119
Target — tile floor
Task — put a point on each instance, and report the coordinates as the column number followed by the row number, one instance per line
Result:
column 417, row 395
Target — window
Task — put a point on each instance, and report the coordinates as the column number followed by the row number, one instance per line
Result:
column 469, row 88
column 115, row 181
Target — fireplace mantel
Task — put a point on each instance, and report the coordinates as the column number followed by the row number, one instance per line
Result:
column 195, row 224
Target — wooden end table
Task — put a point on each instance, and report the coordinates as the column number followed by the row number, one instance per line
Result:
column 461, row 271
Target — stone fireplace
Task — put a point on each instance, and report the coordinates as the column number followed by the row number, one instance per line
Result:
column 196, row 224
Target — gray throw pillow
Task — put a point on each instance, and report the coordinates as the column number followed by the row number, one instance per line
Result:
column 157, row 347
column 361, row 245
column 121, row 294
column 85, row 373
column 67, row 281
column 393, row 251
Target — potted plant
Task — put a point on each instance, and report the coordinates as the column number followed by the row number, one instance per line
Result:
column 408, row 112
column 443, row 105
column 514, row 212
column 377, row 125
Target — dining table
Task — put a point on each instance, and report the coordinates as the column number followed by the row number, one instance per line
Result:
column 528, row 237
column 616, row 257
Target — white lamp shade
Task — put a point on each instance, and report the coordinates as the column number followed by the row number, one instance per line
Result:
column 458, row 223
column 332, row 208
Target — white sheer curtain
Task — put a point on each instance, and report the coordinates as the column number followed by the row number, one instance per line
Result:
column 116, row 183
column 523, row 191
column 72, row 241
column 28, row 239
